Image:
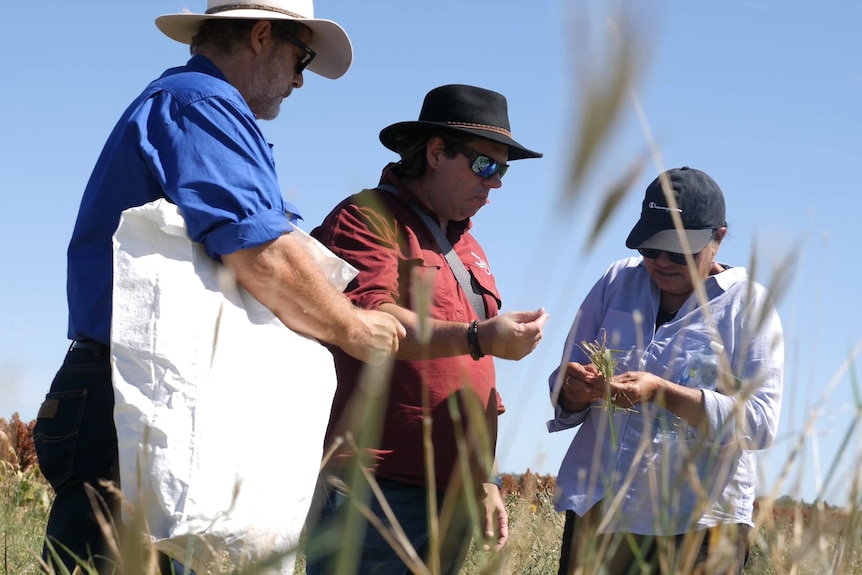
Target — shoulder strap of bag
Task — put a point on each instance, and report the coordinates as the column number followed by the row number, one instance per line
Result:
column 455, row 264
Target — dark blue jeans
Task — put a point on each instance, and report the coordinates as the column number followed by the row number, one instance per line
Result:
column 326, row 534
column 76, row 444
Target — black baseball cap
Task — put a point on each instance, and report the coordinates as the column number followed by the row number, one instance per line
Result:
column 700, row 205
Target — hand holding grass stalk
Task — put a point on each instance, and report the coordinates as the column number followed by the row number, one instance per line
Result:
column 603, row 359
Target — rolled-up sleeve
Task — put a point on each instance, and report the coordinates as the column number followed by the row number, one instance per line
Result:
column 220, row 172
column 369, row 242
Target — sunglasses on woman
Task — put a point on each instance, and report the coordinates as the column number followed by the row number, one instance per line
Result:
column 482, row 165
column 678, row 259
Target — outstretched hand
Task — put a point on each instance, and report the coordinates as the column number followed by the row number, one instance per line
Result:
column 512, row 335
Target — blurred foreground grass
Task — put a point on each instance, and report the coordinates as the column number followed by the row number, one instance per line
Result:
column 792, row 537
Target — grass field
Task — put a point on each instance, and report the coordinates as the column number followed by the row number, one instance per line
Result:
column 792, row 537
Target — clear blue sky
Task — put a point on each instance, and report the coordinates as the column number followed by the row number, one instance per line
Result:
column 763, row 95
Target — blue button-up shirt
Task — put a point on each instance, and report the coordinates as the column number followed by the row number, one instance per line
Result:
column 664, row 477
column 189, row 137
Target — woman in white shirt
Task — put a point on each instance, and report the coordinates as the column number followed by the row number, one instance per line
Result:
column 662, row 467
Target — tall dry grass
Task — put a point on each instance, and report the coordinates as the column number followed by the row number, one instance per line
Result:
column 790, row 537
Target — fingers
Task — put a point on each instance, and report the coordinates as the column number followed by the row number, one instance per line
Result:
column 400, row 330
column 591, row 369
column 583, row 382
column 502, row 538
column 399, row 333
column 495, row 524
column 574, row 381
column 541, row 319
column 525, row 323
column 522, row 333
column 502, row 527
column 538, row 316
column 585, row 373
column 379, row 339
column 535, row 325
column 578, row 390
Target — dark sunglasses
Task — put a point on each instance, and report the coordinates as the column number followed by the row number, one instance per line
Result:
column 303, row 62
column 678, row 259
column 482, row 165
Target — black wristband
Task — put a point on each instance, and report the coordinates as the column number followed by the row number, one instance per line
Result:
column 473, row 341
column 496, row 479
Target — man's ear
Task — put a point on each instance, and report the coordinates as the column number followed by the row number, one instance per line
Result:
column 261, row 33
column 433, row 151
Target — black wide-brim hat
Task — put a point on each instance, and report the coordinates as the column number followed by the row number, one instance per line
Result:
column 460, row 108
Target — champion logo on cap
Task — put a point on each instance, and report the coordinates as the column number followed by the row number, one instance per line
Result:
column 699, row 208
column 655, row 206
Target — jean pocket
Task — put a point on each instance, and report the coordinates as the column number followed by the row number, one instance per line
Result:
column 55, row 435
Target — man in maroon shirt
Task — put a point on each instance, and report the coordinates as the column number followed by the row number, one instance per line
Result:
column 427, row 426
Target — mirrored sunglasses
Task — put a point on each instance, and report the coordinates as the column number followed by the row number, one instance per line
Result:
column 678, row 259
column 482, row 165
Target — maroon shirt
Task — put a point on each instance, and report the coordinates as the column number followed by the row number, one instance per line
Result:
column 380, row 234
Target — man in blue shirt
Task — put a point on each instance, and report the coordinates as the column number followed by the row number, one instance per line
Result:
column 192, row 138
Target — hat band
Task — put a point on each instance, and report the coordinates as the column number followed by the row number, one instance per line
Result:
column 226, row 7
column 502, row 131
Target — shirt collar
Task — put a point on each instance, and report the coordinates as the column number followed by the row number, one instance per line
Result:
column 200, row 63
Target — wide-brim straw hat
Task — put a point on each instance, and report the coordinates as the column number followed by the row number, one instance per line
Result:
column 328, row 39
column 460, row 108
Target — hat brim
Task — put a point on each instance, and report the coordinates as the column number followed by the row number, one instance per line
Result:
column 669, row 240
column 390, row 134
column 328, row 39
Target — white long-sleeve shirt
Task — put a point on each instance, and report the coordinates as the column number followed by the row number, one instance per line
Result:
column 664, row 477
